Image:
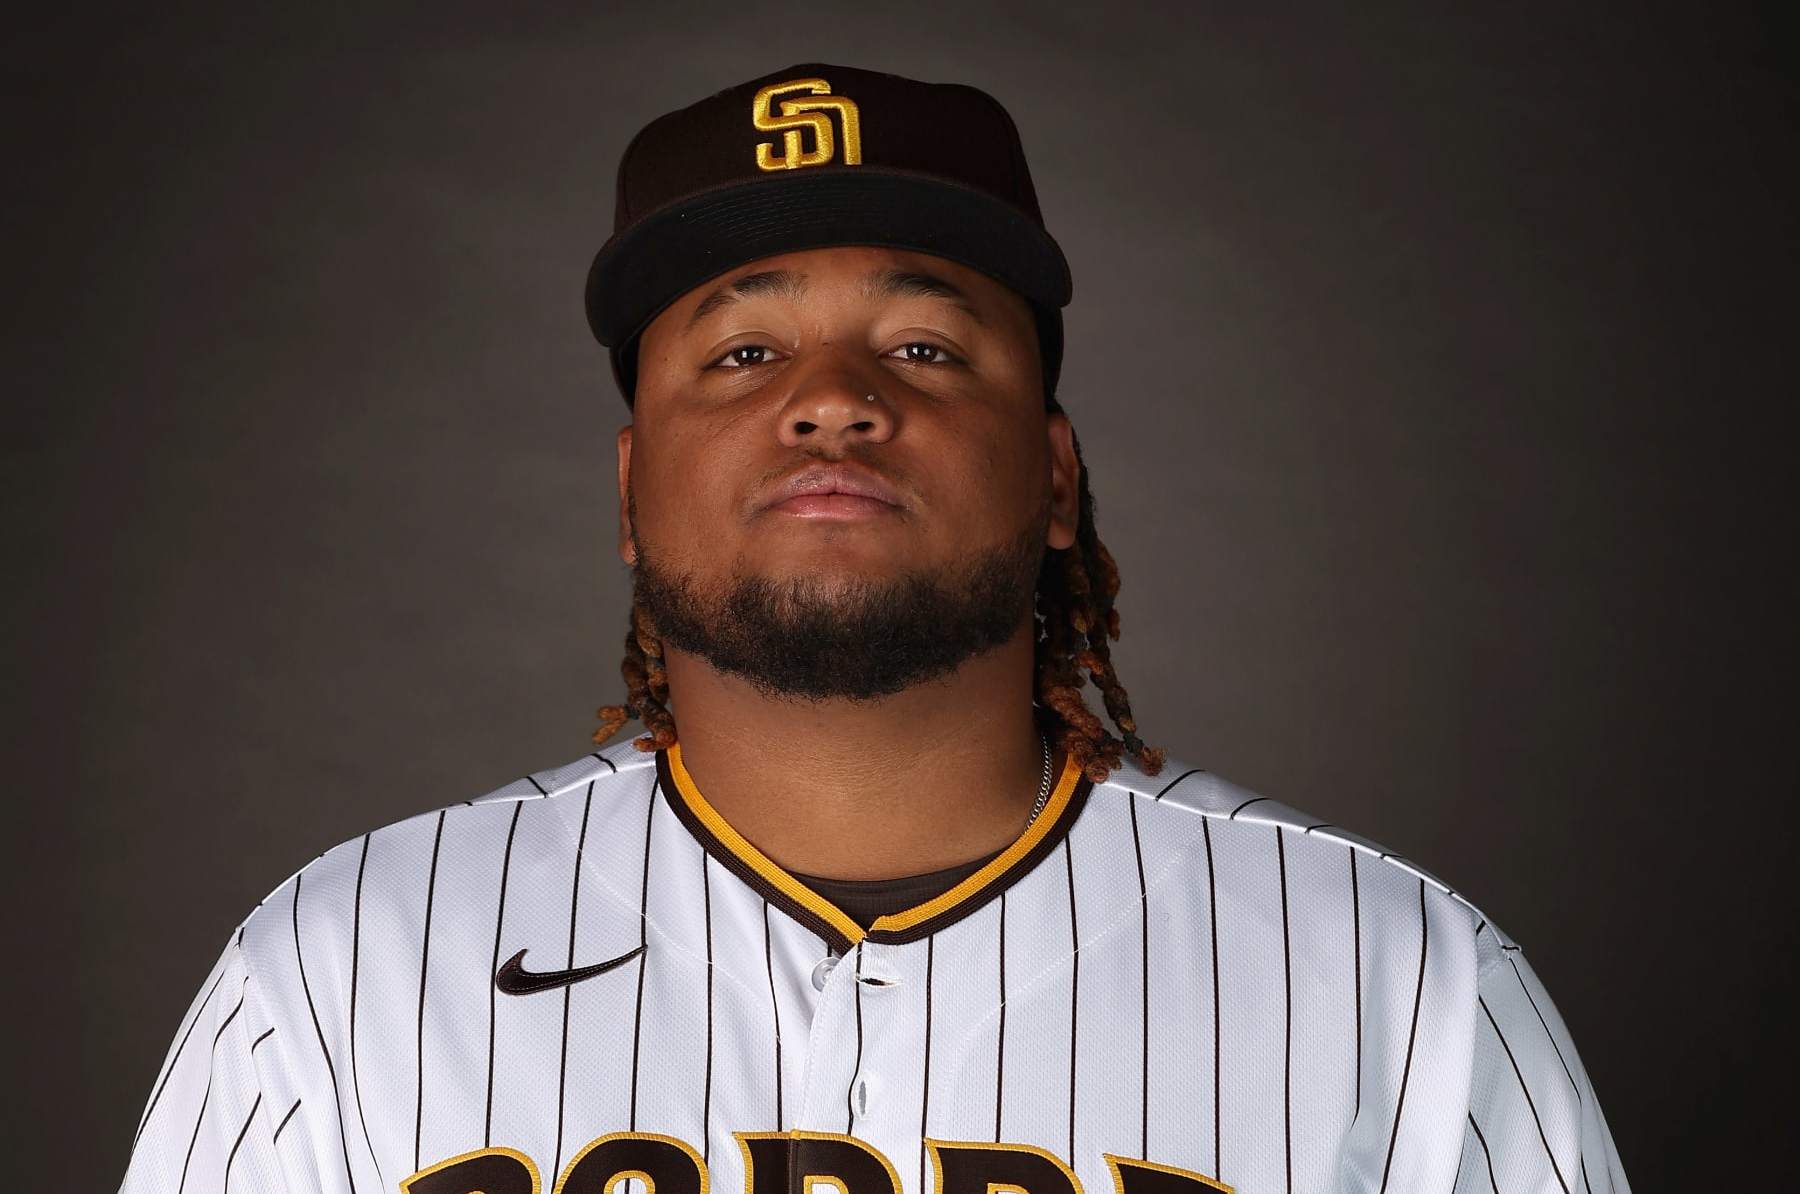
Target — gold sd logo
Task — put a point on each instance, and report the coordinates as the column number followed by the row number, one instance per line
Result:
column 797, row 114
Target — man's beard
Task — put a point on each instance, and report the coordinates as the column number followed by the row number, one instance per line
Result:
column 857, row 639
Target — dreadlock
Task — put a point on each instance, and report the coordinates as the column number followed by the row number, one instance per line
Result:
column 1074, row 619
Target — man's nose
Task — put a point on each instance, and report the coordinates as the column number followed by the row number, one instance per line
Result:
column 837, row 406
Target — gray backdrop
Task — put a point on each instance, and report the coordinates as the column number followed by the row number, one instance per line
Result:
column 1426, row 365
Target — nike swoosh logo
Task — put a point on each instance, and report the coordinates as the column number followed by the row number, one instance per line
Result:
column 514, row 979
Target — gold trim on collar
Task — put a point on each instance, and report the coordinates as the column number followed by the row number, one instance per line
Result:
column 999, row 865
column 1047, row 821
column 761, row 863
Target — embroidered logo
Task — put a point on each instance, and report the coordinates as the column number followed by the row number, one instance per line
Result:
column 514, row 979
column 800, row 114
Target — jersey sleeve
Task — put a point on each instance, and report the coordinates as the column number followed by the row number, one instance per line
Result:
column 219, row 1115
column 1533, row 1123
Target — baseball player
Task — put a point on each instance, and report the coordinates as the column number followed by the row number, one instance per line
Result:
column 876, row 904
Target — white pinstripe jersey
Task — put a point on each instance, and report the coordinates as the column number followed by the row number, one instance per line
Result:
column 1165, row 985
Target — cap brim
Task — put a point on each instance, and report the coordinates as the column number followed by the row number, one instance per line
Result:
column 668, row 252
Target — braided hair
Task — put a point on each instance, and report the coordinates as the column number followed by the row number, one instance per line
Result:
column 1074, row 616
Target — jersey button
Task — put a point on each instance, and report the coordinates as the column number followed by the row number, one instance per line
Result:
column 823, row 970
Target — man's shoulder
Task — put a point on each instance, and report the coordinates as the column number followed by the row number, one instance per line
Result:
column 596, row 767
column 1234, row 831
column 427, row 865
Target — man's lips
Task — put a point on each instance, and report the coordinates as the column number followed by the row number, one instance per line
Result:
column 838, row 490
column 834, row 505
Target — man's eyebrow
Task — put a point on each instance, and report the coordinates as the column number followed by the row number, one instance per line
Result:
column 782, row 283
column 888, row 282
column 883, row 283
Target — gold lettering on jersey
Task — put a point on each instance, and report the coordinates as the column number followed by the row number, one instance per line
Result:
column 1147, row 1177
column 667, row 1165
column 980, row 1167
column 844, row 1163
column 489, row 1170
column 664, row 1164
column 799, row 115
column 618, row 1180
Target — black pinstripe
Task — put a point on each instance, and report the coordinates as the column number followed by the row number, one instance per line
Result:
column 175, row 1060
column 239, row 1142
column 706, row 1098
column 562, row 1063
column 1287, row 1013
column 1074, row 987
column 1356, row 955
column 637, row 1016
column 1547, row 1032
column 330, row 1070
column 1000, row 1050
column 1526, row 1091
column 267, row 1033
column 775, row 1006
column 487, row 1122
column 355, row 958
column 1212, row 912
column 1489, row 1157
column 437, row 842
column 856, row 1069
column 231, row 1015
column 1170, row 786
column 206, row 1095
column 1137, row 850
column 1411, row 1037
column 925, row 1084
column 284, row 1122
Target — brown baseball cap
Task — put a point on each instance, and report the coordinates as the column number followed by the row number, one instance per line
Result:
column 817, row 155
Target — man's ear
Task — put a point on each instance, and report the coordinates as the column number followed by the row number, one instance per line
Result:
column 1065, row 481
column 627, row 543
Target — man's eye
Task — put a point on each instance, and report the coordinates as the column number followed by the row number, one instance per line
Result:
column 918, row 352
column 742, row 355
column 925, row 357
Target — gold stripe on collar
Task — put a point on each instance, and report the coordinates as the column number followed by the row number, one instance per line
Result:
column 1046, row 821
column 759, row 862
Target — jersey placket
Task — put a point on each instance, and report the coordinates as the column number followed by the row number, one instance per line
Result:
column 863, row 1075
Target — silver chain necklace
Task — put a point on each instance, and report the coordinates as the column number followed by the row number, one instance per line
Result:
column 1043, row 795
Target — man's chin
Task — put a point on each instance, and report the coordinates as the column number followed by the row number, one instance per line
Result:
column 835, row 587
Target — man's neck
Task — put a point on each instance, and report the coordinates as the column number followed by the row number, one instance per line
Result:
column 918, row 781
